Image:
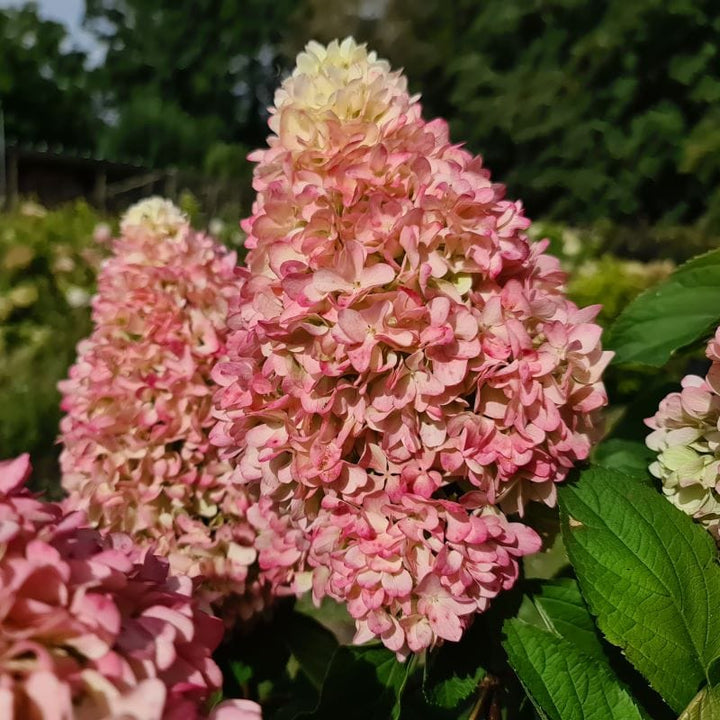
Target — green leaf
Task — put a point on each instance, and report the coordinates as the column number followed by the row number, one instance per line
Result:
column 628, row 456
column 669, row 316
column 312, row 645
column 452, row 673
column 564, row 612
column 241, row 671
column 361, row 683
column 704, row 706
column 649, row 574
column 563, row 682
column 644, row 403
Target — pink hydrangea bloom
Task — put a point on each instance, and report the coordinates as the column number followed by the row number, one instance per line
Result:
column 400, row 354
column 686, row 436
column 415, row 571
column 92, row 627
column 136, row 455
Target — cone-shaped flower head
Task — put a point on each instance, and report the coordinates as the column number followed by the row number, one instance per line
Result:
column 686, row 436
column 154, row 215
column 92, row 627
column 136, row 456
column 402, row 359
column 341, row 82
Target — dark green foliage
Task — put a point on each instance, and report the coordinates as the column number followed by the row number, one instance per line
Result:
column 158, row 132
column 650, row 575
column 43, row 85
column 48, row 263
column 588, row 109
column 198, row 71
column 669, row 316
column 260, row 663
column 362, row 682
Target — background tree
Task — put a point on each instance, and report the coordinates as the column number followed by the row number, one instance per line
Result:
column 210, row 67
column 158, row 132
column 44, row 88
column 586, row 110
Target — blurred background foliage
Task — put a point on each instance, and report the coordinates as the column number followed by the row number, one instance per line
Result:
column 588, row 111
column 45, row 88
column 603, row 116
column 48, row 263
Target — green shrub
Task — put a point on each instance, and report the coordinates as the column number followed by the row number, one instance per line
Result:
column 602, row 269
column 48, row 262
column 613, row 282
column 645, row 243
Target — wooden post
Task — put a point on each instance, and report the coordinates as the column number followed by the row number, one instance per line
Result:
column 100, row 189
column 214, row 199
column 3, row 160
column 13, row 178
column 171, row 184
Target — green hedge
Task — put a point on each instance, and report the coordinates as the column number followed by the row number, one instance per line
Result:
column 48, row 263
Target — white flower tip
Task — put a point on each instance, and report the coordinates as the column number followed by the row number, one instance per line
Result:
column 155, row 214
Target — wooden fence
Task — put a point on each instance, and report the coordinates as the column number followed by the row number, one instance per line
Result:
column 54, row 178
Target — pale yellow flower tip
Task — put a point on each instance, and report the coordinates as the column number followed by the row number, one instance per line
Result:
column 155, row 214
column 341, row 80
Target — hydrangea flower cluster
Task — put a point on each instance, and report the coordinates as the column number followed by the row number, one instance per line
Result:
column 404, row 366
column 92, row 627
column 686, row 436
column 137, row 456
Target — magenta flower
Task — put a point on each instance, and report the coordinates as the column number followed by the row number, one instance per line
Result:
column 137, row 456
column 92, row 627
column 401, row 358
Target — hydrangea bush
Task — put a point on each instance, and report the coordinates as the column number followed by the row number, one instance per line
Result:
column 92, row 626
column 404, row 366
column 378, row 411
column 686, row 437
column 136, row 454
